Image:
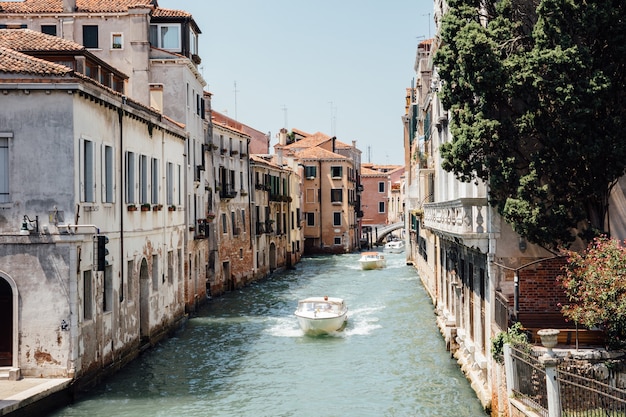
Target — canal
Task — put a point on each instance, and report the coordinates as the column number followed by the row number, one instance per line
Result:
column 244, row 354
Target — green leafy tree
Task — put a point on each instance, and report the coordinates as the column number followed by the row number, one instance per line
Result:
column 536, row 89
column 595, row 283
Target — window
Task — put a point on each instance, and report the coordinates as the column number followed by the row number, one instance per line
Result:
column 130, row 178
column 310, row 172
column 233, row 221
column 87, row 177
column 170, row 267
column 49, row 29
column 90, row 36
column 87, row 296
column 108, row 176
column 336, row 196
column 224, row 223
column 335, row 172
column 155, row 181
column 5, row 195
column 143, row 179
column 381, row 206
column 310, row 219
column 243, row 220
column 337, row 218
column 193, row 42
column 337, row 240
column 165, row 36
column 169, row 183
column 117, row 41
column 381, row 187
column 129, row 274
column 180, row 188
column 107, row 293
column 155, row 272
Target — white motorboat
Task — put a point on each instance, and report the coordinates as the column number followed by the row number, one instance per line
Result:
column 320, row 315
column 372, row 260
column 395, row 246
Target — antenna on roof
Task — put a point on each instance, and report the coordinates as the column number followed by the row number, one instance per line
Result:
column 235, row 91
column 333, row 118
column 428, row 14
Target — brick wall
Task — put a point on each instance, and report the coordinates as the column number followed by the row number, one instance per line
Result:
column 539, row 288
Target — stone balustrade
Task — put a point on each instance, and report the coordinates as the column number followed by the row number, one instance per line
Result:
column 463, row 217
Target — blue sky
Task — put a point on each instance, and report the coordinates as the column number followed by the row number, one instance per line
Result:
column 340, row 67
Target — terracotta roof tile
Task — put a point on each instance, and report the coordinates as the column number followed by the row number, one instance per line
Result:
column 30, row 40
column 56, row 6
column 318, row 153
column 310, row 141
column 160, row 12
column 15, row 62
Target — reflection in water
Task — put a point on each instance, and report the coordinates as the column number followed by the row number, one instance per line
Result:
column 244, row 354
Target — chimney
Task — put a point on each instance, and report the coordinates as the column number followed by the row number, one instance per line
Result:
column 69, row 6
column 282, row 137
column 156, row 97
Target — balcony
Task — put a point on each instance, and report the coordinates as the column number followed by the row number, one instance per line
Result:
column 463, row 218
column 227, row 192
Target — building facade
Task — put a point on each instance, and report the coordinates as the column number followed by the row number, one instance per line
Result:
column 95, row 240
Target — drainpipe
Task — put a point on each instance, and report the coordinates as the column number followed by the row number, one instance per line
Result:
column 319, row 163
column 186, row 218
column 122, row 188
column 249, row 175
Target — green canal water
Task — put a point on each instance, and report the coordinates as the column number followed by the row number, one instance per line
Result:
column 244, row 354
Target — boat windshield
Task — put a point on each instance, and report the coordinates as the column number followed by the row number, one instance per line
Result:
column 320, row 306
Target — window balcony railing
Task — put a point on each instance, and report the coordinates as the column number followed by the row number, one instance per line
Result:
column 463, row 217
column 227, row 192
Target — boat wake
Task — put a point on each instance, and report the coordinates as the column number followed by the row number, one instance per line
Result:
column 285, row 327
column 362, row 321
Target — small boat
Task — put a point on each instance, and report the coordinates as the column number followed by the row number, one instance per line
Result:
column 395, row 246
column 321, row 315
column 372, row 260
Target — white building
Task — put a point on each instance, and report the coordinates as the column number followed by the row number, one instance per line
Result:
column 79, row 160
column 158, row 51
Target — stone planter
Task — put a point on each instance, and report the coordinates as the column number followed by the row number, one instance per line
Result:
column 549, row 338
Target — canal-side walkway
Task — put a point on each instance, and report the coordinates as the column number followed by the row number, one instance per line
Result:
column 16, row 396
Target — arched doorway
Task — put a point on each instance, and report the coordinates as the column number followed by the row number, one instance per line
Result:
column 6, row 324
column 272, row 256
column 144, row 301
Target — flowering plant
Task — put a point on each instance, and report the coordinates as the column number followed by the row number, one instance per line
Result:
column 595, row 284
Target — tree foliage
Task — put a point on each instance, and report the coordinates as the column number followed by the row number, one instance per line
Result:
column 536, row 89
column 595, row 283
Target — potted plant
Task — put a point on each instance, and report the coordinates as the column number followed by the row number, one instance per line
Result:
column 145, row 207
column 210, row 216
column 157, row 207
column 132, row 207
column 171, row 208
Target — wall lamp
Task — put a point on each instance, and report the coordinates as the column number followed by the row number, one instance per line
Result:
column 26, row 222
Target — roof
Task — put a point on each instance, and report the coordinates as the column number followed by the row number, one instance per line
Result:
column 45, row 46
column 160, row 12
column 310, row 141
column 318, row 153
column 84, row 6
column 26, row 40
column 367, row 172
column 14, row 62
column 260, row 159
